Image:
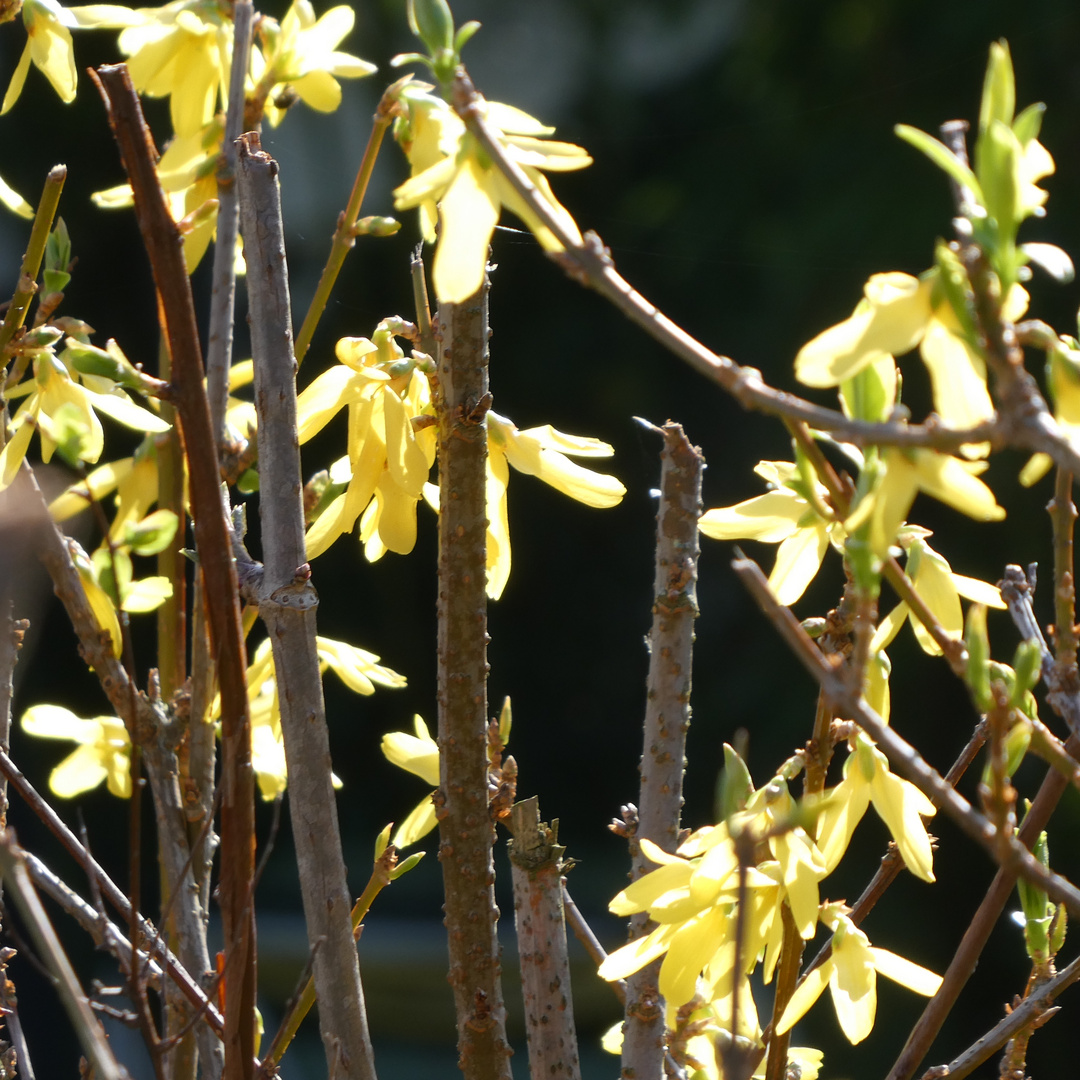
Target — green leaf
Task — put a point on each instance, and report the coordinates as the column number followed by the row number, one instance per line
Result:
column 941, row 156
column 1029, row 123
column 734, row 786
column 407, row 865
column 433, row 23
column 978, row 665
column 954, row 284
column 997, row 160
column 153, row 534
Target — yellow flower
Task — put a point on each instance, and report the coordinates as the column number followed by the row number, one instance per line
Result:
column 900, row 804
column 939, row 588
column 541, row 452
column 134, row 479
column 783, row 516
column 63, row 409
column 48, row 44
column 851, row 975
column 906, row 473
column 182, row 51
column 301, row 59
column 418, row 754
column 389, row 458
column 357, row 668
column 104, row 750
column 454, row 183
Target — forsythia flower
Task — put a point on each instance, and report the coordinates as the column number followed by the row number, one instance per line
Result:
column 939, row 588
column 906, row 473
column 389, row 458
column 14, row 201
column 901, row 805
column 418, row 754
column 454, row 183
column 301, row 57
column 358, row 669
column 62, row 405
column 851, row 975
column 181, row 51
column 104, row 751
column 897, row 313
column 784, row 516
column 540, row 452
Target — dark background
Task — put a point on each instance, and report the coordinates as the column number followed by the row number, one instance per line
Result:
column 747, row 181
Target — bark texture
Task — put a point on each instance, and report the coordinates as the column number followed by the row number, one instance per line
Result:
column 287, row 602
column 667, row 718
column 466, row 831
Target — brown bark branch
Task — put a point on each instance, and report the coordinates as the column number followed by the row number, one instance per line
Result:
column 536, row 868
column 667, row 718
column 466, row 831
column 287, row 603
column 164, row 246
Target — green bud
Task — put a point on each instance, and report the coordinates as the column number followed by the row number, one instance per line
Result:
column 248, row 483
column 407, row 865
column 1033, row 899
column 978, row 665
column 506, row 721
column 953, row 282
column 58, row 247
column 381, row 841
column 1027, row 664
column 376, row 226
column 815, row 626
column 433, row 23
column 109, row 363
column 464, row 34
column 41, row 337
column 734, row 786
column 1037, row 939
column 1057, row 929
column 999, row 88
column 153, row 534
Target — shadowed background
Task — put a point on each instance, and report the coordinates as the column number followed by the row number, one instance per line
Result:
column 747, row 181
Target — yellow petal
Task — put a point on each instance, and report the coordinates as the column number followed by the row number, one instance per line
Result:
column 467, row 214
column 418, row 756
column 902, row 807
column 417, row 825
column 13, row 200
column 637, row 954
column 798, row 559
column 853, row 985
column 981, row 592
column 80, row 771
column 770, row 518
column 958, row 375
column 498, row 531
column 805, row 995
column 905, row 972
column 954, row 482
column 14, row 89
column 690, row 948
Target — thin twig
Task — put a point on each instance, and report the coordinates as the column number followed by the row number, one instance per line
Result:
column 287, row 602
column 223, row 290
column 1021, row 1016
column 86, row 1024
column 584, row 933
column 164, row 246
column 1026, row 423
column 345, row 232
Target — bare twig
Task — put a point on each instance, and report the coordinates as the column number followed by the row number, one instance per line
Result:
column 1029, row 1010
column 163, row 243
column 345, row 232
column 86, row 1024
column 223, row 291
column 667, row 719
column 536, row 868
column 1025, row 420
column 287, row 602
column 466, row 831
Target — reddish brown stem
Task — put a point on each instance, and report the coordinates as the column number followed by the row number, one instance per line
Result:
column 164, row 246
column 466, row 831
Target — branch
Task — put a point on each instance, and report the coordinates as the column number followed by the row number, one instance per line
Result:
column 903, row 757
column 219, row 341
column 164, row 246
column 35, row 252
column 536, row 868
column 1028, row 1011
column 466, row 831
column 667, row 718
column 86, row 1024
column 287, row 602
column 589, row 262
